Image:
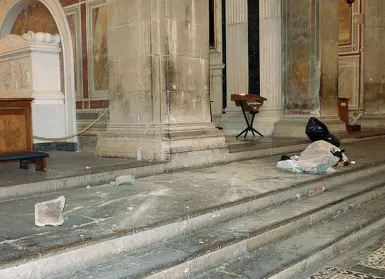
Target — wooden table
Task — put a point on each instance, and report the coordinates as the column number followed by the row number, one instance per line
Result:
column 249, row 103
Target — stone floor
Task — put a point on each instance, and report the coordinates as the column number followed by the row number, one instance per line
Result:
column 106, row 210
column 251, row 143
column 65, row 164
column 366, row 261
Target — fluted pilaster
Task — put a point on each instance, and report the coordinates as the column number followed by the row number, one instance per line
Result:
column 270, row 52
column 237, row 58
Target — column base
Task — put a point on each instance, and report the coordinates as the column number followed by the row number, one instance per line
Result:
column 184, row 145
column 295, row 126
column 233, row 121
column 372, row 121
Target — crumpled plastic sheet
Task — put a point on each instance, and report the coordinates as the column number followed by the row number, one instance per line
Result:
column 317, row 158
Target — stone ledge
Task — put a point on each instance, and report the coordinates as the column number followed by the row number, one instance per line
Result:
column 295, row 127
column 161, row 142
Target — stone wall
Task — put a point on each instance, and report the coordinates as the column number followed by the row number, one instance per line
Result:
column 374, row 50
column 329, row 34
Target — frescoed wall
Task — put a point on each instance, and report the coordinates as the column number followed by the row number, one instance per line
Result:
column 37, row 18
column 350, row 56
column 88, row 23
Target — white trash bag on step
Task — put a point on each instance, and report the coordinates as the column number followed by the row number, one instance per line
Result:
column 317, row 158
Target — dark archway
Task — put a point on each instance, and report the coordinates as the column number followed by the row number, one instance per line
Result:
column 254, row 62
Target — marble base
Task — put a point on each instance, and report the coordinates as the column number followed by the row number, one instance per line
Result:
column 233, row 121
column 372, row 121
column 56, row 146
column 295, row 127
column 183, row 145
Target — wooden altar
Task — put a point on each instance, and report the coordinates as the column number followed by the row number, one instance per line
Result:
column 15, row 125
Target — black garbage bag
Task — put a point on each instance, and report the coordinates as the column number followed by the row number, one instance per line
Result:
column 316, row 130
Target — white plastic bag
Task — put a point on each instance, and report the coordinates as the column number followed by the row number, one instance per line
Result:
column 317, row 158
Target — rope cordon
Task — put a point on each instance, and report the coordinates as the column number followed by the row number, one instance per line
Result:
column 74, row 135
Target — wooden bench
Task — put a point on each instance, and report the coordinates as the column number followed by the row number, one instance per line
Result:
column 27, row 158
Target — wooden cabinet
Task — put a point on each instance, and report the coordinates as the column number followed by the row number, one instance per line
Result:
column 15, row 125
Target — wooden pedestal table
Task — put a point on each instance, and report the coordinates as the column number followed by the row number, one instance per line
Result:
column 16, row 134
column 249, row 103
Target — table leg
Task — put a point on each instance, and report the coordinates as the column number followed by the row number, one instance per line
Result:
column 247, row 122
column 24, row 164
column 41, row 164
column 257, row 132
column 241, row 133
column 247, row 131
column 251, row 123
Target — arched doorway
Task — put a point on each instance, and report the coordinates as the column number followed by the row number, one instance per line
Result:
column 9, row 12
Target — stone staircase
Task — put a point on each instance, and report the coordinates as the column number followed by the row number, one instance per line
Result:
column 275, row 235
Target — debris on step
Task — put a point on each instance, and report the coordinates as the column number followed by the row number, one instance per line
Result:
column 211, row 178
column 87, row 168
column 88, row 187
column 113, row 183
column 125, row 180
column 49, row 213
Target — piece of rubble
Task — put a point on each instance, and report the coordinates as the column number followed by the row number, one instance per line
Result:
column 88, row 187
column 125, row 180
column 112, row 183
column 49, row 213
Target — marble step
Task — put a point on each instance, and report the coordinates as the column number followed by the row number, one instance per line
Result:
column 69, row 248
column 365, row 257
column 291, row 258
column 183, row 256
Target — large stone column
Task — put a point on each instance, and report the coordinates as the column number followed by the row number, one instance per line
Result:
column 374, row 66
column 270, row 40
column 216, row 65
column 237, row 63
column 159, row 103
column 310, row 66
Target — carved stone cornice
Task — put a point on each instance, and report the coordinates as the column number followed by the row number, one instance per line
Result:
column 42, row 38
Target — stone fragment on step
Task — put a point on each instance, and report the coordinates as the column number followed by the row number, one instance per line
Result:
column 49, row 213
column 125, row 180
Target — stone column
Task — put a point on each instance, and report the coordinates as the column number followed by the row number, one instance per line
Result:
column 270, row 64
column 159, row 103
column 310, row 65
column 237, row 63
column 270, row 22
column 374, row 67
column 217, row 66
column 237, row 51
